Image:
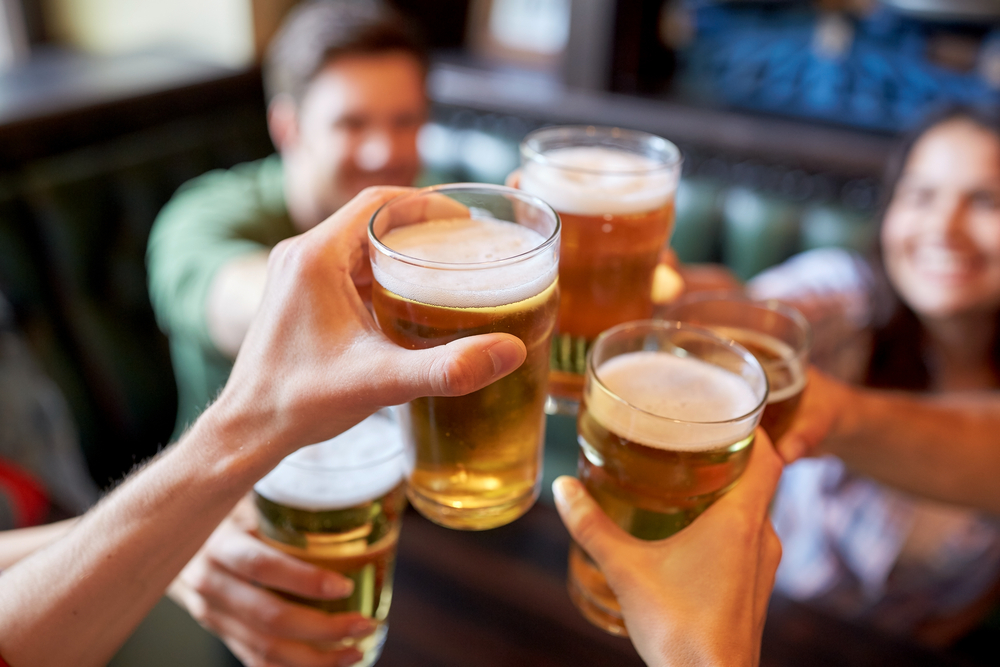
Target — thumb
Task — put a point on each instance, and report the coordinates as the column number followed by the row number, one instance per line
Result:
column 462, row 366
column 592, row 529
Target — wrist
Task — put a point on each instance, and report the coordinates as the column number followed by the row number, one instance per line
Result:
column 240, row 444
column 854, row 409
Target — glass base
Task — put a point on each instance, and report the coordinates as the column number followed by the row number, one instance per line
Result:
column 370, row 646
column 472, row 518
column 590, row 593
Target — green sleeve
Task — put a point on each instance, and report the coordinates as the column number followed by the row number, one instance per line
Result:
column 210, row 221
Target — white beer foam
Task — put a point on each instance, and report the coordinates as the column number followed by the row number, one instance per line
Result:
column 336, row 474
column 697, row 394
column 796, row 367
column 597, row 180
column 462, row 241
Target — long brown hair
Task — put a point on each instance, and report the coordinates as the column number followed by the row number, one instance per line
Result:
column 898, row 359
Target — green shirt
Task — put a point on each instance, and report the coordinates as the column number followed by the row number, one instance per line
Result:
column 210, row 221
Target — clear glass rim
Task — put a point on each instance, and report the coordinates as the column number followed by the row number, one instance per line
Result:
column 484, row 188
column 531, row 151
column 774, row 305
column 671, row 325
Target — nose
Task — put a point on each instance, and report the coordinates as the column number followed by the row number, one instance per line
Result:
column 374, row 152
column 949, row 219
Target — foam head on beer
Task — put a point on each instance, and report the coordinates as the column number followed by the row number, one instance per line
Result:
column 683, row 403
column 599, row 180
column 339, row 473
column 476, row 263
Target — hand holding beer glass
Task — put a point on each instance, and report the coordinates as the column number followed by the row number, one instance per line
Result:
column 460, row 260
column 614, row 191
column 777, row 334
column 665, row 428
column 339, row 505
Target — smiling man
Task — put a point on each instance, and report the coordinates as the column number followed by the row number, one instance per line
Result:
column 345, row 84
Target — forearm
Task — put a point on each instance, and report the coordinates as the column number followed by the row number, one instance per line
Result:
column 233, row 300
column 942, row 447
column 133, row 543
column 16, row 544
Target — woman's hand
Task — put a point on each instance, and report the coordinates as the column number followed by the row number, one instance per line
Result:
column 826, row 403
column 699, row 597
column 223, row 588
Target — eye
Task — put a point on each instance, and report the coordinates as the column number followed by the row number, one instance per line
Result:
column 917, row 196
column 985, row 200
column 351, row 124
column 407, row 122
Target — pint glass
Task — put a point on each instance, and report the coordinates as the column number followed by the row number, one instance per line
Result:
column 338, row 504
column 460, row 260
column 614, row 191
column 665, row 428
column 777, row 334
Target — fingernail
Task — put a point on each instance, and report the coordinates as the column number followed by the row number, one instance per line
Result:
column 361, row 627
column 565, row 490
column 506, row 355
column 337, row 587
column 350, row 659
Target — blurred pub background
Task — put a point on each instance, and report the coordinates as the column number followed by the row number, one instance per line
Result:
column 785, row 112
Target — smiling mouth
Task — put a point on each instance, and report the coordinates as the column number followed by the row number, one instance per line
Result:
column 945, row 263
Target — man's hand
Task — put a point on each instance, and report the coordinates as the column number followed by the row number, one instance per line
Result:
column 825, row 404
column 700, row 596
column 223, row 588
column 314, row 362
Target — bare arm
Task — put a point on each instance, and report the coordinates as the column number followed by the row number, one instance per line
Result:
column 233, row 299
column 16, row 544
column 313, row 346
column 943, row 447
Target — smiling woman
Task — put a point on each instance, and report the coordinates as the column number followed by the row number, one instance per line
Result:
column 932, row 300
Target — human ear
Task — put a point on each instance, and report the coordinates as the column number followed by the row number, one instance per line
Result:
column 283, row 122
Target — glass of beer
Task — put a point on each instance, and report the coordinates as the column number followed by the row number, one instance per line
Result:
column 461, row 260
column 665, row 428
column 777, row 334
column 339, row 504
column 614, row 191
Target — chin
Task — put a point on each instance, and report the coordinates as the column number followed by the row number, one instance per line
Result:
column 944, row 306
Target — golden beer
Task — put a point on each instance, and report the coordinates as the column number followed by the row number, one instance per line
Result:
column 475, row 460
column 777, row 334
column 614, row 191
column 339, row 505
column 663, row 433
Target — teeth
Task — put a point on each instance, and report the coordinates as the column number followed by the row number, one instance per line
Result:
column 942, row 261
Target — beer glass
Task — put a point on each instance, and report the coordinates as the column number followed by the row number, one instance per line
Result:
column 338, row 504
column 777, row 334
column 665, row 428
column 460, row 260
column 614, row 191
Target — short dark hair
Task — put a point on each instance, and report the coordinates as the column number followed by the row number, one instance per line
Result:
column 316, row 32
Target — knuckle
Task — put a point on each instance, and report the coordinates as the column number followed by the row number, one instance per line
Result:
column 272, row 616
column 254, row 566
column 456, row 376
column 198, row 608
